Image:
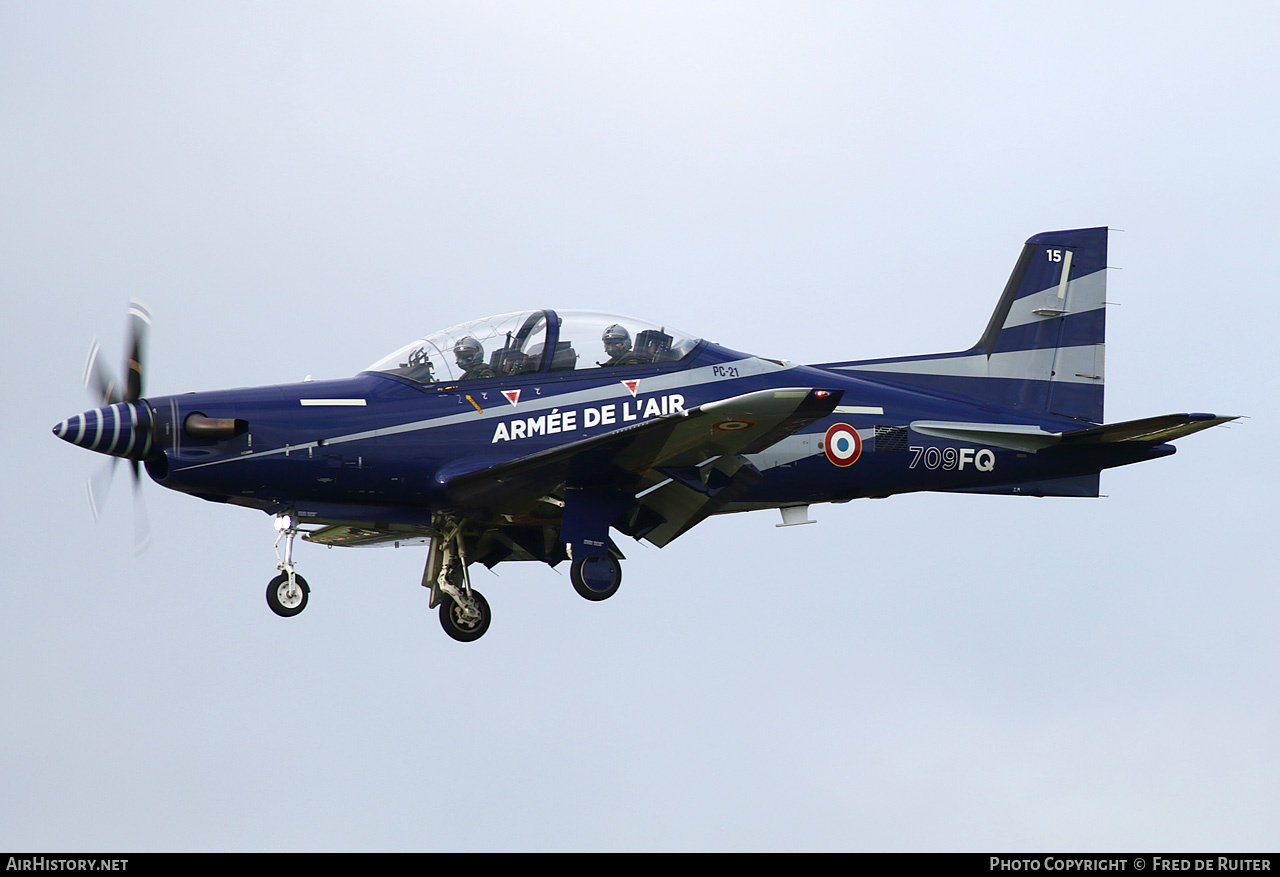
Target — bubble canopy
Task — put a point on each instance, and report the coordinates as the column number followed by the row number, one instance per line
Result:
column 518, row 344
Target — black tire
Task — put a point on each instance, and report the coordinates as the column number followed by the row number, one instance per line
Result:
column 459, row 627
column 281, row 604
column 596, row 578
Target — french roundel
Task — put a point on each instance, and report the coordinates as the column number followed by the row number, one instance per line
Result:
column 842, row 444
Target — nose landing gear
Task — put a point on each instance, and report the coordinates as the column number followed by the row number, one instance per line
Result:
column 287, row 593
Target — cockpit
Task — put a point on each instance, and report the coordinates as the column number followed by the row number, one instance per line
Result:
column 532, row 342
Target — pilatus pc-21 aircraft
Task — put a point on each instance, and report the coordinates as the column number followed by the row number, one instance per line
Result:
column 538, row 435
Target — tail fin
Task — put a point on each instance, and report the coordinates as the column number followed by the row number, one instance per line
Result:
column 1043, row 349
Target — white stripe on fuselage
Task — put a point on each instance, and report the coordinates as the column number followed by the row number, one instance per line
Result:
column 749, row 367
column 1074, row 365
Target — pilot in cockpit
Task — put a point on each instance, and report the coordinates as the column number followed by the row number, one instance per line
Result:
column 470, row 356
column 617, row 345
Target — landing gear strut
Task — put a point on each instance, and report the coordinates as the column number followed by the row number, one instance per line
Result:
column 464, row 612
column 287, row 593
column 584, row 529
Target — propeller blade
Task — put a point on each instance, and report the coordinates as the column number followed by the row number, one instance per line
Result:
column 139, row 326
column 141, row 524
column 99, row 485
column 108, row 391
column 98, row 380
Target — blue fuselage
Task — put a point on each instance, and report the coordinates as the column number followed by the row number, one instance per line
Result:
column 380, row 447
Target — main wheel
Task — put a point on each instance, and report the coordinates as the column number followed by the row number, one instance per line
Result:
column 596, row 577
column 467, row 622
column 284, row 601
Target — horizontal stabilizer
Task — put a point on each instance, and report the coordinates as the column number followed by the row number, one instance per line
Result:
column 1028, row 438
column 1148, row 430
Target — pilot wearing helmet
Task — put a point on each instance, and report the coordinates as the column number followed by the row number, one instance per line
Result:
column 617, row 346
column 470, row 356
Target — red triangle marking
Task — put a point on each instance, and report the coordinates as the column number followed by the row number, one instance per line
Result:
column 632, row 386
column 513, row 396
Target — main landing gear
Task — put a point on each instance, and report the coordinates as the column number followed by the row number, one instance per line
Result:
column 597, row 577
column 465, row 619
column 464, row 612
column 287, row 593
column 584, row 529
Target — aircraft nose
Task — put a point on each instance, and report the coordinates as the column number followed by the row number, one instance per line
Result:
column 68, row 428
column 121, row 430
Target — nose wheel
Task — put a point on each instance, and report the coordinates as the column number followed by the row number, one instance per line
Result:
column 286, row 598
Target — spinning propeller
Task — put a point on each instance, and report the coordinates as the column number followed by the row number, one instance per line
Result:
column 122, row 426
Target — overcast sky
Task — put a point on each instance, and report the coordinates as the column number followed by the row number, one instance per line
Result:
column 300, row 188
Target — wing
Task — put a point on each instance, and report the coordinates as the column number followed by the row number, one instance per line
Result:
column 660, row 477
